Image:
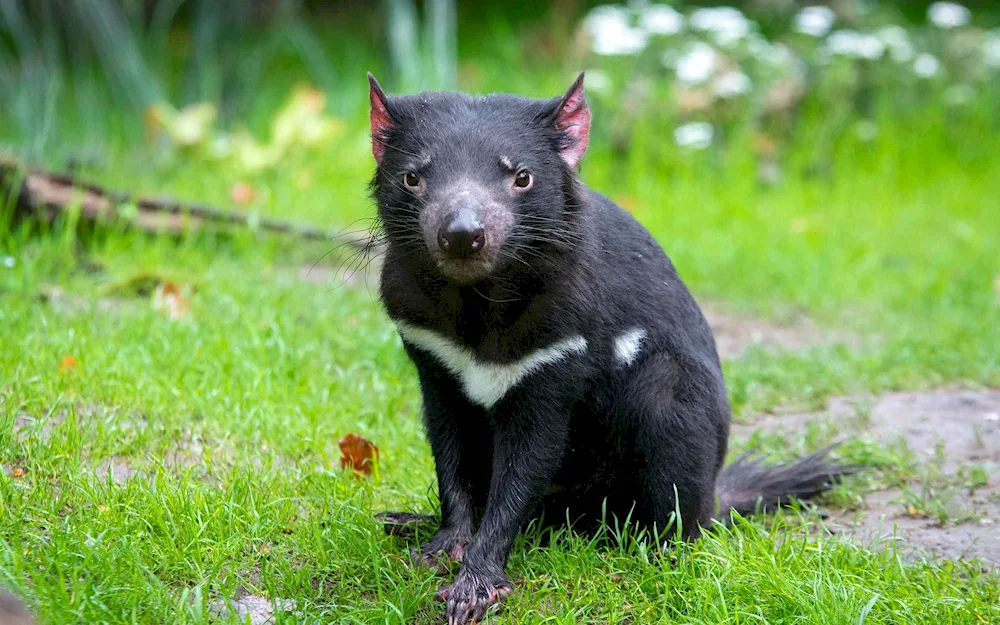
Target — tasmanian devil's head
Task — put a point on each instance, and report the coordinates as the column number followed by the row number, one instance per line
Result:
column 473, row 185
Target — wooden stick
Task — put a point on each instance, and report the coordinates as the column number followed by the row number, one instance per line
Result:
column 48, row 194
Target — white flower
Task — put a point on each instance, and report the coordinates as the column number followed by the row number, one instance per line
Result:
column 611, row 33
column 598, row 81
column 815, row 21
column 898, row 41
column 726, row 24
column 8, row 261
column 605, row 16
column 926, row 65
column 694, row 135
column 855, row 44
column 731, row 85
column 991, row 49
column 698, row 64
column 661, row 19
column 948, row 15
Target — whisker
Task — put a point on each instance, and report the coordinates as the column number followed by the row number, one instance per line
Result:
column 495, row 301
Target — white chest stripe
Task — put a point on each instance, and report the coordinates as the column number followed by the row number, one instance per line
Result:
column 627, row 345
column 486, row 383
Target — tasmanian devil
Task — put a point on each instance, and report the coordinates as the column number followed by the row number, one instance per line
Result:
column 566, row 371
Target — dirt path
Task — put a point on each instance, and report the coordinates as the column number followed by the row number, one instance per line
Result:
column 953, row 434
column 735, row 333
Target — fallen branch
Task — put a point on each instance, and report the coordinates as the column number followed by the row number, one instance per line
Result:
column 46, row 195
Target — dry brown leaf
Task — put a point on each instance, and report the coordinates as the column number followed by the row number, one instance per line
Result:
column 242, row 194
column 357, row 454
column 173, row 299
column 67, row 364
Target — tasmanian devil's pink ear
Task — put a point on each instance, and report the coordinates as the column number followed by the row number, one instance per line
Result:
column 381, row 120
column 572, row 117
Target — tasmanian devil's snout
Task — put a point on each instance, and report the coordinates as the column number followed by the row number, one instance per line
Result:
column 464, row 228
column 461, row 235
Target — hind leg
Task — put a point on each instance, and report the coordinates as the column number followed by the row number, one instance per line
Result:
column 679, row 416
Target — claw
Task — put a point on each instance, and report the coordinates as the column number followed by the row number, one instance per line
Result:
column 458, row 614
column 443, row 592
column 438, row 560
column 500, row 593
column 435, row 561
column 469, row 598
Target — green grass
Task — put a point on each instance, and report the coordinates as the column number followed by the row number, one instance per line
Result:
column 228, row 420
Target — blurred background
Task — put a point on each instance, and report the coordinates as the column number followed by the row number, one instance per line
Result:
column 779, row 81
column 840, row 112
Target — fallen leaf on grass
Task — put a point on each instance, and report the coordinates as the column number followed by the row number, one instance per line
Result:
column 357, row 453
column 67, row 364
column 172, row 299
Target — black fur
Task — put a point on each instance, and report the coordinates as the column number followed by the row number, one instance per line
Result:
column 587, row 429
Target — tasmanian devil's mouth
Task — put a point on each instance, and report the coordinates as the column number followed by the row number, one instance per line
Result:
column 465, row 270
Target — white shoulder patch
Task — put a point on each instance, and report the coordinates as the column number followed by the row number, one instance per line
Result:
column 628, row 344
column 486, row 383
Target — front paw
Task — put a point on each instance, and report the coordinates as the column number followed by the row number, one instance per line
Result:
column 471, row 594
column 446, row 547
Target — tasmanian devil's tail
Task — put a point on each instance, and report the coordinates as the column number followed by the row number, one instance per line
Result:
column 748, row 485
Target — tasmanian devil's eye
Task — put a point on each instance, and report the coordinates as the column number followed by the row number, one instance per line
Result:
column 522, row 179
column 411, row 179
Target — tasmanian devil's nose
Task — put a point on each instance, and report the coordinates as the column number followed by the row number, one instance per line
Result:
column 461, row 235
